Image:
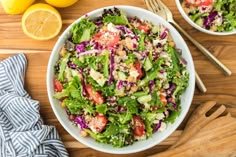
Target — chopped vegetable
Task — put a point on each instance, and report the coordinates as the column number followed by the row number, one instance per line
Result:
column 216, row 16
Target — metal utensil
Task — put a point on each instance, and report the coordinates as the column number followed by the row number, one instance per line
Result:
column 154, row 6
column 158, row 7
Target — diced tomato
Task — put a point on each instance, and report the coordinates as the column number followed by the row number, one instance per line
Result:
column 95, row 96
column 107, row 38
column 98, row 123
column 143, row 27
column 139, row 69
column 97, row 36
column 57, row 86
column 138, row 126
column 163, row 99
column 199, row 2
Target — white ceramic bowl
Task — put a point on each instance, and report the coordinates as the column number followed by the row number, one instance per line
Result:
column 185, row 16
column 157, row 137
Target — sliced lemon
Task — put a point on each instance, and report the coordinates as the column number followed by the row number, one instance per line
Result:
column 61, row 3
column 41, row 22
column 15, row 6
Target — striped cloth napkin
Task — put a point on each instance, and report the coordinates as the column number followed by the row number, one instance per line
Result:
column 22, row 132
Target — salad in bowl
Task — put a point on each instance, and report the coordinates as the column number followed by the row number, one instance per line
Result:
column 213, row 16
column 120, row 80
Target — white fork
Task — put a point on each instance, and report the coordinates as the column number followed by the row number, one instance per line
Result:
column 158, row 7
column 155, row 7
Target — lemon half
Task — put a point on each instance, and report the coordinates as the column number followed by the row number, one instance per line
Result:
column 41, row 22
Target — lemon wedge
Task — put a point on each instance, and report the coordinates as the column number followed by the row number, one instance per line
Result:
column 41, row 22
column 61, row 3
column 15, row 6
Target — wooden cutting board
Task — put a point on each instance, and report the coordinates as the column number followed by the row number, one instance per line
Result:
column 216, row 139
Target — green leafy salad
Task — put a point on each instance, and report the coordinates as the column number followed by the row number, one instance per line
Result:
column 213, row 15
column 119, row 78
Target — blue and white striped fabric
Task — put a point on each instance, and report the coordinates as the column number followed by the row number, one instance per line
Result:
column 22, row 133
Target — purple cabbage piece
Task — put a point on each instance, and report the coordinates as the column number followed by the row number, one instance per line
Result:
column 179, row 51
column 88, row 52
column 112, row 66
column 126, row 30
column 151, row 84
column 207, row 21
column 157, row 126
column 135, row 46
column 136, row 37
column 122, row 109
column 98, row 22
column 141, row 55
column 120, row 85
column 162, row 71
column 164, row 34
column 172, row 102
column 111, row 99
column 72, row 65
column 97, row 46
column 81, row 47
column 171, row 88
column 80, row 120
column 183, row 61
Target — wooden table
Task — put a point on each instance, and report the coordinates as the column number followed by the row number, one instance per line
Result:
column 220, row 88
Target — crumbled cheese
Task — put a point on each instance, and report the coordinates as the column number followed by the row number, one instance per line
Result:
column 156, row 41
column 166, row 86
column 163, row 127
column 111, row 28
column 164, row 54
column 166, row 113
column 160, row 116
column 133, row 97
column 218, row 21
column 134, row 73
column 163, row 75
column 146, row 106
column 98, row 77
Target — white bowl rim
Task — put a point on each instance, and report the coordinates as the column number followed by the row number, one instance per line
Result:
column 185, row 16
column 115, row 150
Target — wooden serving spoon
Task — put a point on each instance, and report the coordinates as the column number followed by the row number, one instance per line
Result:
column 198, row 120
column 216, row 139
column 194, row 129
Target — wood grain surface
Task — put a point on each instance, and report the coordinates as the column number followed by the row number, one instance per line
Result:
column 222, row 89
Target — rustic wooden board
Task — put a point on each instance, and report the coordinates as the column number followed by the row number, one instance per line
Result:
column 220, row 88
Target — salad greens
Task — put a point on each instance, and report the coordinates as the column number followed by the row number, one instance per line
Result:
column 217, row 15
column 120, row 79
column 83, row 31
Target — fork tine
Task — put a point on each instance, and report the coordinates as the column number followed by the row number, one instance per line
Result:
column 148, row 5
column 164, row 7
column 155, row 7
column 161, row 8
